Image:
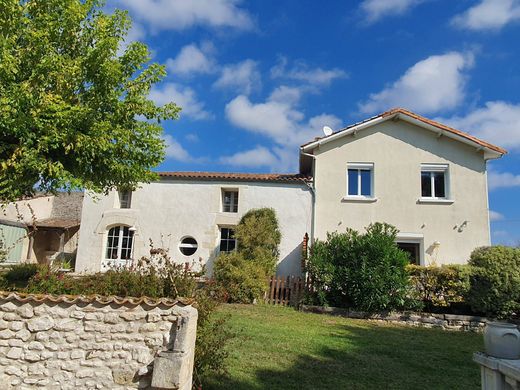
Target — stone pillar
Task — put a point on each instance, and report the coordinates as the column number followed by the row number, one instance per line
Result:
column 173, row 369
column 498, row 374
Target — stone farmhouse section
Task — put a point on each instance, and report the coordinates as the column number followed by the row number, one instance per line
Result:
column 75, row 342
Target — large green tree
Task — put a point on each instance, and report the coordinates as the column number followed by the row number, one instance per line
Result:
column 74, row 110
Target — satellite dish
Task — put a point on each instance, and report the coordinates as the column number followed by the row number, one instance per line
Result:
column 327, row 130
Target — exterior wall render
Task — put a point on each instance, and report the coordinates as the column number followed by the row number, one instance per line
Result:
column 167, row 211
column 397, row 150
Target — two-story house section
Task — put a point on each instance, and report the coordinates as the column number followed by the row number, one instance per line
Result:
column 425, row 178
column 193, row 215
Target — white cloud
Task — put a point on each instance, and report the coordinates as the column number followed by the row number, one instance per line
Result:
column 184, row 97
column 433, row 84
column 242, row 77
column 257, row 157
column 489, row 15
column 182, row 14
column 495, row 216
column 175, row 151
column 378, row 9
column 497, row 122
column 192, row 59
column 502, row 180
column 192, row 137
column 281, row 121
column 302, row 72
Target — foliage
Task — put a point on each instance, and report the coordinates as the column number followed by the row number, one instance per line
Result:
column 243, row 280
column 74, row 107
column 440, row 287
column 155, row 276
column 495, row 281
column 19, row 274
column 363, row 271
column 258, row 237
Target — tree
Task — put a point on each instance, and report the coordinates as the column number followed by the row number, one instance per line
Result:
column 74, row 112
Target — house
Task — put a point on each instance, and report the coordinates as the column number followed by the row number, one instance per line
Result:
column 41, row 229
column 425, row 178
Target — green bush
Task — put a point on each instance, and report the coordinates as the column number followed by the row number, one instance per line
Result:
column 440, row 288
column 19, row 274
column 243, row 280
column 495, row 281
column 363, row 271
column 244, row 274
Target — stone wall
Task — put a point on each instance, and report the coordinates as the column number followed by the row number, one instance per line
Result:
column 64, row 342
column 425, row 320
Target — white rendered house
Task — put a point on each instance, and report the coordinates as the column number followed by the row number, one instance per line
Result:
column 423, row 177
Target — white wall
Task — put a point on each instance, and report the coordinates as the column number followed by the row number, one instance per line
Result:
column 397, row 150
column 169, row 210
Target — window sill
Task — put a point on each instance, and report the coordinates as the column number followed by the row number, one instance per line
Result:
column 435, row 201
column 360, row 199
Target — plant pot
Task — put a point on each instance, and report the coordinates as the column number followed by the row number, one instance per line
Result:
column 502, row 340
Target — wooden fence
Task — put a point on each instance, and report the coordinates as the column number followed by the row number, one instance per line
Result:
column 286, row 290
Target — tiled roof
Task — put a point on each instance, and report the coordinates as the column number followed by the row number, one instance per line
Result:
column 420, row 118
column 62, row 223
column 104, row 300
column 263, row 177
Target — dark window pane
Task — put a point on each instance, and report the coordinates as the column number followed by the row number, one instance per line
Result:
column 426, row 184
column 188, row 246
column 353, row 182
column 440, row 190
column 366, row 182
column 412, row 250
column 231, row 245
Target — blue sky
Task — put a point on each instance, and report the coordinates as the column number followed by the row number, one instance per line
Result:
column 258, row 78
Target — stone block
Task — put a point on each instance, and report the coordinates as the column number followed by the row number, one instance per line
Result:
column 23, row 335
column 40, row 323
column 112, row 318
column 16, row 325
column 15, row 353
column 6, row 334
column 25, row 311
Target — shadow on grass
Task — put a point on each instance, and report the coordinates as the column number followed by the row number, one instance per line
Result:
column 364, row 356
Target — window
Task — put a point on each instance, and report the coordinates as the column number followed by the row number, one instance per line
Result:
column 230, row 201
column 360, row 180
column 125, row 199
column 412, row 249
column 188, row 246
column 119, row 243
column 434, row 181
column 228, row 241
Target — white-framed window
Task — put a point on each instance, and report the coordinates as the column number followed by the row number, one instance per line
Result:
column 434, row 181
column 229, row 201
column 125, row 199
column 360, row 180
column 228, row 242
column 119, row 244
column 188, row 246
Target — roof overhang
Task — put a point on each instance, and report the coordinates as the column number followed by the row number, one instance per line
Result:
column 490, row 152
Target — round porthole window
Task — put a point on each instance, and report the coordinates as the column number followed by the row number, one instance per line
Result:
column 188, row 246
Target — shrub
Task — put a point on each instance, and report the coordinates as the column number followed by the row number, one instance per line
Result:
column 20, row 274
column 243, row 280
column 495, row 281
column 439, row 288
column 363, row 271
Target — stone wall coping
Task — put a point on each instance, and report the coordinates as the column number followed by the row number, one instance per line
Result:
column 392, row 315
column 86, row 299
column 508, row 367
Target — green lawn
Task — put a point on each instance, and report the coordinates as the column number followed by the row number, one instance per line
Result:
column 280, row 348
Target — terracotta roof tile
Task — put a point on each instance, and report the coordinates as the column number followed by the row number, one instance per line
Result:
column 421, row 119
column 263, row 177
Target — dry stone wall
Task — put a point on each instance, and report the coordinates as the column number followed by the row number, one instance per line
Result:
column 97, row 343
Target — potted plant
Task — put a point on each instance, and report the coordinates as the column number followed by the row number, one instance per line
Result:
column 502, row 340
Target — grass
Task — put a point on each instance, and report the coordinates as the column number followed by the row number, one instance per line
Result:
column 280, row 348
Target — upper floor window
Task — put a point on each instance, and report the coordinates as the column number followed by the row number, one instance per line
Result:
column 360, row 180
column 125, row 199
column 119, row 243
column 230, row 201
column 228, row 241
column 434, row 181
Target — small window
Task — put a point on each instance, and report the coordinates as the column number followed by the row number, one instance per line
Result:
column 230, row 201
column 125, row 199
column 434, row 181
column 228, row 241
column 119, row 243
column 360, row 180
column 188, row 246
column 412, row 249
